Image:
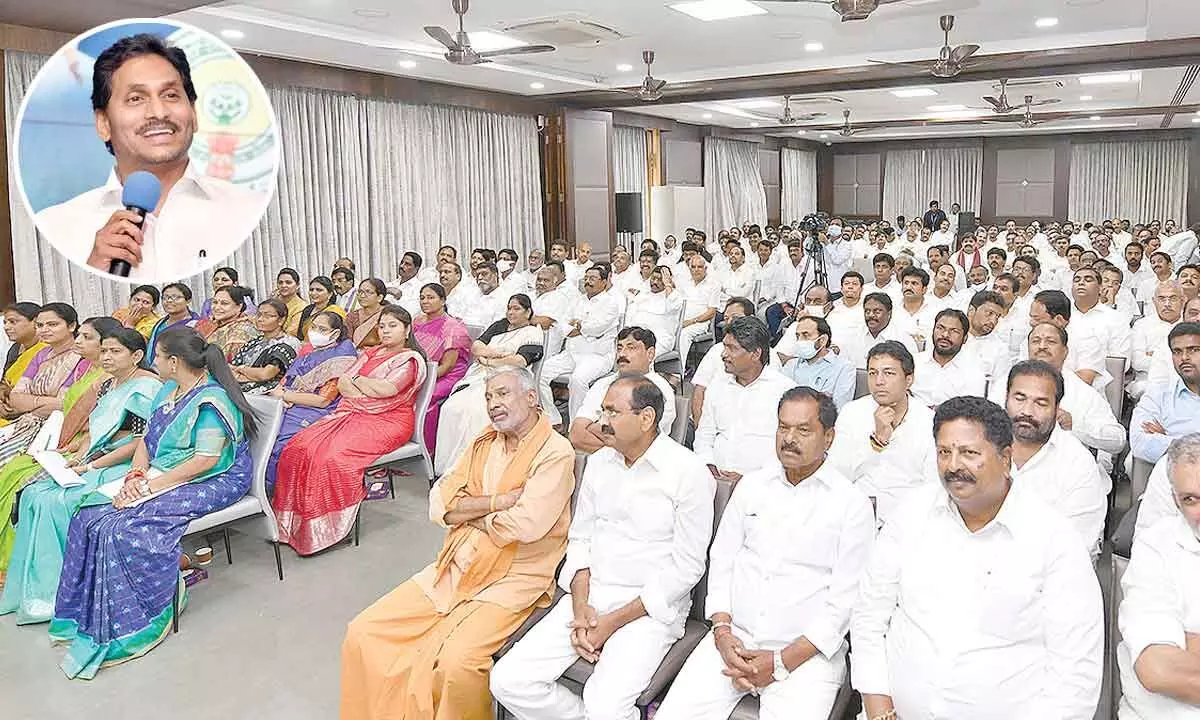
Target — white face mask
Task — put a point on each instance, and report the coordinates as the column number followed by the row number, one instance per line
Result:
column 814, row 310
column 504, row 265
column 805, row 349
column 319, row 339
column 834, row 231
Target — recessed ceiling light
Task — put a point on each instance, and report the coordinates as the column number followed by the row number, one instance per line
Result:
column 1108, row 78
column 1085, row 98
column 370, row 13
column 1196, row 119
column 1046, row 22
column 813, row 47
column 1095, row 117
column 753, row 124
column 407, row 64
column 486, row 41
column 754, row 104
column 914, row 92
column 709, row 10
column 537, row 85
column 823, row 135
column 801, row 132
column 707, row 116
column 624, row 67
column 946, row 108
column 232, row 34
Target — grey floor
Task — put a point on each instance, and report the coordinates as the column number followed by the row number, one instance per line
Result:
column 248, row 646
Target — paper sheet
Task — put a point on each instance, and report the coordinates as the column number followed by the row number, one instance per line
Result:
column 57, row 466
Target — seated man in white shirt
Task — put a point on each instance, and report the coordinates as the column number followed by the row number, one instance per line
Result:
column 915, row 312
column 405, row 290
column 1088, row 312
column 736, row 429
column 577, row 267
column 700, row 293
column 658, row 308
column 1150, row 333
column 345, row 290
column 512, row 280
column 555, row 303
column 947, row 371
column 816, row 304
column 845, row 314
column 624, row 275
column 588, row 351
column 1086, row 351
column 635, row 354
column 459, row 294
column 877, row 327
column 490, row 304
column 884, row 267
column 884, row 440
column 712, row 366
column 1049, row 460
column 1162, row 368
column 987, row 342
column 1159, row 653
column 1161, row 271
column 815, row 365
column 635, row 550
column 946, row 284
column 785, row 564
column 738, row 279
column 979, row 601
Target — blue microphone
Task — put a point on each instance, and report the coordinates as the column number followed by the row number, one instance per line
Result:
column 140, row 196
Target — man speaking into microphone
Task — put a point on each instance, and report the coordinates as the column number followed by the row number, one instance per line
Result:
column 144, row 104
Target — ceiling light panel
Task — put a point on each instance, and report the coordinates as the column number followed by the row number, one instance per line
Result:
column 1109, row 78
column 914, row 92
column 486, row 41
column 711, row 10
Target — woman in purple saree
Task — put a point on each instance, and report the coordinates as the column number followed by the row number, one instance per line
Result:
column 446, row 341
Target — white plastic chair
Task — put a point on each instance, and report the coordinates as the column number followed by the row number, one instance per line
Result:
column 672, row 355
column 416, row 445
column 1114, row 391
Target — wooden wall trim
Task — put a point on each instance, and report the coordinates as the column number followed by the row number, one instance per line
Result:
column 33, row 40
column 8, row 276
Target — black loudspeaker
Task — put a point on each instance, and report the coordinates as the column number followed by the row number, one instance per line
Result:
column 629, row 212
column 966, row 223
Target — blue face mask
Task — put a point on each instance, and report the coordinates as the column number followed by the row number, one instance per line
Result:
column 805, row 349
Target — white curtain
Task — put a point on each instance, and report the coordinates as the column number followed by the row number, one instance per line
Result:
column 358, row 177
column 1141, row 180
column 733, row 186
column 629, row 169
column 798, row 171
column 912, row 178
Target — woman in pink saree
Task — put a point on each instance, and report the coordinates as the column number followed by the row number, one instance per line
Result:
column 446, row 342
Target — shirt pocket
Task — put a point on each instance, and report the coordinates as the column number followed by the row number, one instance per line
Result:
column 1010, row 608
column 651, row 516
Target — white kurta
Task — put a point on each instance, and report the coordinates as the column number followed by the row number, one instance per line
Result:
column 589, row 409
column 738, row 422
column 934, row 383
column 1065, row 476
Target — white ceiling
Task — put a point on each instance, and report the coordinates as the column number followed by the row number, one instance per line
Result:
column 386, row 36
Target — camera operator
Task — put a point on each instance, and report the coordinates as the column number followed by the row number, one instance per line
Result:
column 808, row 257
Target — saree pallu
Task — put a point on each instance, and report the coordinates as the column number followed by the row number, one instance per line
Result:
column 319, row 482
column 230, row 336
column 438, row 337
column 46, row 375
column 261, row 352
column 121, row 567
column 164, row 324
column 310, row 312
column 13, row 372
column 47, row 507
column 145, row 326
column 315, row 372
column 22, row 469
column 364, row 329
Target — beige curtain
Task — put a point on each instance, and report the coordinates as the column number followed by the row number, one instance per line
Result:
column 629, row 169
column 798, row 170
column 912, row 178
column 1141, row 180
column 733, row 186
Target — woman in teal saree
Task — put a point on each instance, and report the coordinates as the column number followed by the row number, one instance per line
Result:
column 121, row 566
column 46, row 508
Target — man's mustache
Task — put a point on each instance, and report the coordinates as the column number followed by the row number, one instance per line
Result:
column 959, row 476
column 160, row 125
column 606, row 429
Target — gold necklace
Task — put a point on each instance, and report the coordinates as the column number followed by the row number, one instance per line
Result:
column 175, row 395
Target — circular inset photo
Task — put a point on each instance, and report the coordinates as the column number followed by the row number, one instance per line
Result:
column 146, row 150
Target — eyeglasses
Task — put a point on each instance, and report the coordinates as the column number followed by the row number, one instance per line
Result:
column 172, row 298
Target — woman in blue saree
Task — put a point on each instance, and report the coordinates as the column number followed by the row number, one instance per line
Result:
column 176, row 299
column 105, row 447
column 121, row 567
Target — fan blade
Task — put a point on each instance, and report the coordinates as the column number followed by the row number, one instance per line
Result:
column 654, row 85
column 915, row 63
column 993, row 102
column 441, row 35
column 526, row 50
column 962, row 52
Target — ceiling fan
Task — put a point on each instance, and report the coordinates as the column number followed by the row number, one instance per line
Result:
column 951, row 60
column 1000, row 105
column 1027, row 119
column 651, row 88
column 847, row 130
column 791, row 118
column 848, row 9
column 458, row 45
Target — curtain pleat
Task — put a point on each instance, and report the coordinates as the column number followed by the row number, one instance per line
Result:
column 912, row 178
column 733, row 186
column 359, row 177
column 629, row 169
column 1141, row 180
column 799, row 184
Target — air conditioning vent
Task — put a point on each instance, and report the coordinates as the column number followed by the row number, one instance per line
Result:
column 563, row 32
column 1032, row 84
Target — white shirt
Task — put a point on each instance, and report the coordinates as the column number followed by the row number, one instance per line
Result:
column 855, row 348
column 658, row 313
column 461, row 298
column 991, row 355
column 934, row 384
column 1065, row 475
column 782, row 282
column 599, row 321
column 1149, row 334
column 1000, row 624
column 738, row 423
column 907, row 463
column 892, row 290
column 921, row 321
column 642, row 530
column 575, row 271
column 1161, row 602
column 1158, row 501
column 408, row 293
column 737, row 283
column 589, row 409
column 179, row 241
column 485, row 309
column 623, row 281
column 699, row 297
column 712, row 367
column 937, row 237
column 786, row 559
column 1092, row 420
column 846, row 322
column 1105, row 323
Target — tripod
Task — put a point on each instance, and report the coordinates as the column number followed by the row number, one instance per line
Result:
column 814, row 256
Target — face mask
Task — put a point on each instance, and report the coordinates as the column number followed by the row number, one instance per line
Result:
column 504, row 265
column 319, row 339
column 834, row 231
column 805, row 349
column 814, row 310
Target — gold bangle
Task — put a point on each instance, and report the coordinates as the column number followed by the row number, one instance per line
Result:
column 491, row 503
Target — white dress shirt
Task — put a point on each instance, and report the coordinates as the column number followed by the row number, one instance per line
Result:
column 999, row 624
column 855, row 348
column 712, row 367
column 590, row 408
column 642, row 530
column 1092, row 418
column 782, row 282
column 738, row 422
column 575, row 271
column 1065, row 476
column 461, row 298
column 1111, row 326
column 892, row 290
column 1158, row 500
column 736, row 283
column 787, row 559
column 407, row 293
column 1149, row 334
column 907, row 463
column 599, row 321
column 1161, row 602
column 623, row 281
column 658, row 313
column 179, row 241
column 484, row 309
column 699, row 297
column 846, row 321
column 934, row 383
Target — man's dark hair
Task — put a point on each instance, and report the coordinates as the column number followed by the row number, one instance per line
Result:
column 347, row 272
column 1165, row 256
column 752, row 335
column 883, row 258
column 488, row 265
column 643, row 335
column 125, row 49
column 644, row 394
column 509, row 254
column 826, row 409
column 650, row 254
column 882, row 298
column 853, row 274
column 1183, row 328
column 997, row 251
column 986, row 296
column 1037, row 368
column 1033, row 264
column 488, row 254
column 451, row 248
column 653, row 245
column 1078, row 247
column 600, row 269
column 955, row 313
column 746, row 304
column 1189, row 266
column 822, row 325
column 896, row 351
column 1055, row 302
column 1012, row 280
column 1063, row 335
column 556, row 265
column 917, row 273
column 996, row 424
column 1093, row 270
column 933, row 203
column 414, row 257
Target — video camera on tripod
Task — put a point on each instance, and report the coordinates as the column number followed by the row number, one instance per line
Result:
column 814, row 224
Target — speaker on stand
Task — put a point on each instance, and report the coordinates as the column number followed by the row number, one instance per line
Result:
column 629, row 218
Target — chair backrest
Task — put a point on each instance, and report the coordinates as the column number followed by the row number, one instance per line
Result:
column 1118, row 572
column 424, row 396
column 860, row 384
column 700, row 592
column 1139, row 478
column 1114, row 392
column 580, row 465
column 683, row 407
column 475, row 330
column 679, row 331
column 536, row 369
column 268, row 412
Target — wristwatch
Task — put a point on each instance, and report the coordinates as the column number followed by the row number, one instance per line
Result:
column 781, row 672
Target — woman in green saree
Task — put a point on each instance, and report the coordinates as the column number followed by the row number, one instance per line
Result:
column 119, row 415
column 77, row 403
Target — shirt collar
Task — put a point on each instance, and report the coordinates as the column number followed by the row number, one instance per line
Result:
column 1011, row 516
column 1181, row 388
column 192, row 178
column 1185, row 536
column 657, row 456
column 818, row 477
